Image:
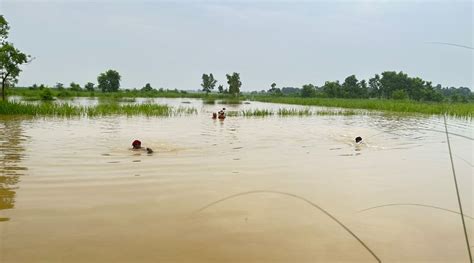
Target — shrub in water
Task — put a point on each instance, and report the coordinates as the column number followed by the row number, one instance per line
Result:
column 46, row 95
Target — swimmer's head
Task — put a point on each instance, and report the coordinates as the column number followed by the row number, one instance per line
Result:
column 358, row 139
column 136, row 144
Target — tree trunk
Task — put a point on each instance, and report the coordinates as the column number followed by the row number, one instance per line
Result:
column 3, row 90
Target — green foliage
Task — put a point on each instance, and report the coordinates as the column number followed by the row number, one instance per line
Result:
column 332, row 89
column 147, row 87
column 10, row 58
column 10, row 61
column 294, row 112
column 74, row 87
column 4, row 27
column 274, row 90
column 231, row 101
column 89, row 86
column 220, row 89
column 256, row 112
column 59, row 86
column 209, row 101
column 54, row 109
column 399, row 106
column 64, row 94
column 46, row 95
column 399, row 95
column 308, row 91
column 385, row 85
column 374, row 87
column 208, row 82
column 234, row 83
column 109, row 81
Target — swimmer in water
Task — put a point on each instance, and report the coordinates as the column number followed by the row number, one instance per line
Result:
column 358, row 139
column 222, row 114
column 214, row 115
column 137, row 145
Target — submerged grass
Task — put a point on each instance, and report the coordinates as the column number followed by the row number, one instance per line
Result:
column 256, row 113
column 284, row 112
column 399, row 106
column 53, row 109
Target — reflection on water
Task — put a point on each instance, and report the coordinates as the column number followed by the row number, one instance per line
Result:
column 11, row 154
column 88, row 198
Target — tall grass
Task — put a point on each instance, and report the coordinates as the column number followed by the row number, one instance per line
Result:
column 256, row 113
column 231, row 101
column 434, row 108
column 53, row 109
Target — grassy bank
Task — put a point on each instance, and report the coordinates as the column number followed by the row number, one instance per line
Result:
column 401, row 106
column 66, row 110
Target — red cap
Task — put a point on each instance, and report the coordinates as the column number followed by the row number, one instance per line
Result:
column 136, row 143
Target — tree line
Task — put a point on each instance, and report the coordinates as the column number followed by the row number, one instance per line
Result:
column 387, row 85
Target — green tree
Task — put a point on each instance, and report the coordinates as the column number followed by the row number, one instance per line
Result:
column 4, row 27
column 350, row 87
column 208, row 82
column 147, row 87
column 363, row 89
column 109, row 81
column 46, row 95
column 374, row 86
column 399, row 95
column 391, row 81
column 274, row 90
column 59, row 86
column 332, row 89
column 75, row 87
column 220, row 89
column 308, row 90
column 234, row 83
column 10, row 58
column 89, row 86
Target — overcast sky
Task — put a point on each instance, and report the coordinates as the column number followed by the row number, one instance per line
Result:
column 171, row 44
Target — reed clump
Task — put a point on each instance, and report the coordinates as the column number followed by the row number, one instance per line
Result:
column 54, row 109
column 256, row 113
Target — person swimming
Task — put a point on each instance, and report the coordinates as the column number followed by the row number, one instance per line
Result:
column 358, row 139
column 221, row 114
column 214, row 115
column 137, row 145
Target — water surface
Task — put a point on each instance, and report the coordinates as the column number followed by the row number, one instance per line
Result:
column 71, row 190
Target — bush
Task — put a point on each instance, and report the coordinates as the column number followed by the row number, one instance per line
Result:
column 64, row 94
column 46, row 95
column 399, row 95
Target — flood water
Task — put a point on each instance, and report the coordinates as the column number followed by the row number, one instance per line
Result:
column 71, row 190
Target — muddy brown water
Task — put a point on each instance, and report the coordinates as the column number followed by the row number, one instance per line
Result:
column 71, row 190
